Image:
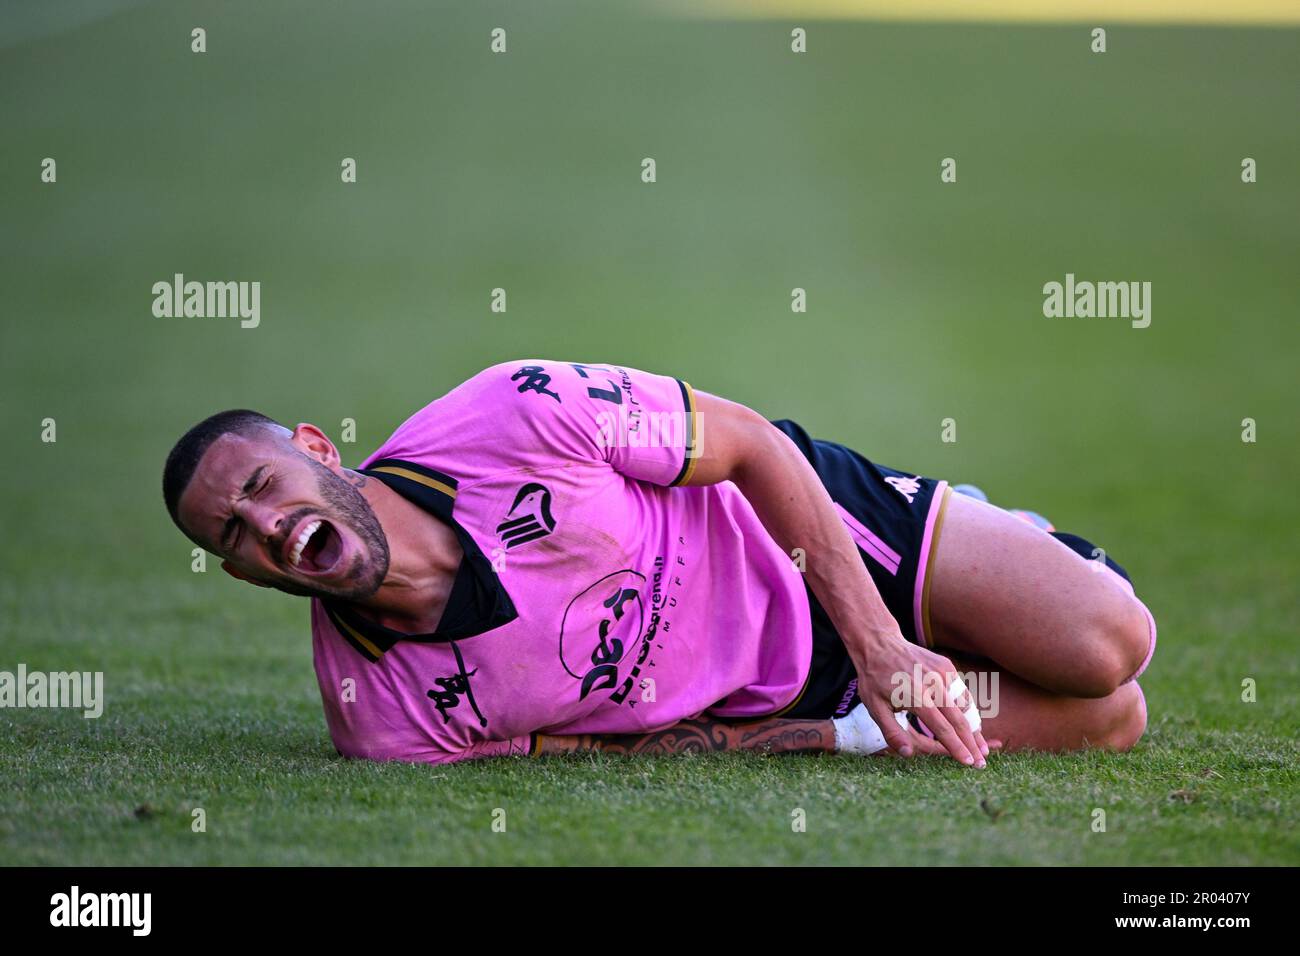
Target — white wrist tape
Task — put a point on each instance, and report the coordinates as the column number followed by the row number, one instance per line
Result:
column 857, row 733
column 955, row 691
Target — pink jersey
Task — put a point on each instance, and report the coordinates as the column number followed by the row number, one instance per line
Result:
column 596, row 595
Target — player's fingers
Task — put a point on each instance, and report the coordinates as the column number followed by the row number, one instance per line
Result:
column 899, row 740
column 960, row 698
column 921, row 744
column 942, row 729
column 966, row 721
column 924, row 745
column 963, row 729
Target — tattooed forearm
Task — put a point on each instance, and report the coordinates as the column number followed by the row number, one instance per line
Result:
column 705, row 735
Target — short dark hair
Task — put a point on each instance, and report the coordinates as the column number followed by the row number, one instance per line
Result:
column 185, row 454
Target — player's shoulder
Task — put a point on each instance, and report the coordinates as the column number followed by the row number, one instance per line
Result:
column 501, row 378
column 470, row 426
column 448, row 410
column 494, row 390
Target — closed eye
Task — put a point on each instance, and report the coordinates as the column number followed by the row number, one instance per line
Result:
column 226, row 531
column 232, row 524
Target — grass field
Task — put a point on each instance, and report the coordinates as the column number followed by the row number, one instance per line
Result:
column 521, row 171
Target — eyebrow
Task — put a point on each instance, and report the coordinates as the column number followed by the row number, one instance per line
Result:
column 246, row 490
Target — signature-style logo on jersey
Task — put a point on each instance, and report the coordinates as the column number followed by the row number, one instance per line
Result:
column 529, row 518
column 535, row 380
column 601, row 628
column 447, row 696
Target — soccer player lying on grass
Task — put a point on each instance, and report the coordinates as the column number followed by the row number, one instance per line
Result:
column 558, row 557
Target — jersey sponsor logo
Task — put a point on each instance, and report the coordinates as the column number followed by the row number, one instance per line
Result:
column 529, row 518
column 447, row 696
column 535, row 380
column 611, row 394
column 600, row 630
column 849, row 698
column 907, row 487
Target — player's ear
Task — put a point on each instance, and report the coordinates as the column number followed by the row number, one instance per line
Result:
column 239, row 575
column 312, row 441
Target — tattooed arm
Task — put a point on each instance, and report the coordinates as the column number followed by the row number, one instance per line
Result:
column 704, row 735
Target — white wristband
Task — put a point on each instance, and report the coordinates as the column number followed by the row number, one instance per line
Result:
column 858, row 733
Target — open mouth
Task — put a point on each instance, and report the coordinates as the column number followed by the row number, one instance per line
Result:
column 317, row 547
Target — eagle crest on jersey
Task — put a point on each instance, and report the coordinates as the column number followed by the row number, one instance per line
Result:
column 529, row 518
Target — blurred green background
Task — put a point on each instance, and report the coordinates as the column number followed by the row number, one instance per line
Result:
column 522, row 171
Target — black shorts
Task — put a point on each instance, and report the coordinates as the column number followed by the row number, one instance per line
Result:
column 895, row 518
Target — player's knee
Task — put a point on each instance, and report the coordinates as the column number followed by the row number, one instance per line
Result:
column 1118, row 638
column 1126, row 719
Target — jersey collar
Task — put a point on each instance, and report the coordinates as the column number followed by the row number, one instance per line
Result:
column 478, row 601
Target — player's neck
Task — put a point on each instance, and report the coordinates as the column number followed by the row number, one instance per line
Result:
column 424, row 556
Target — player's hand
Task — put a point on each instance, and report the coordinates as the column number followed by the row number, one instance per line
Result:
column 898, row 675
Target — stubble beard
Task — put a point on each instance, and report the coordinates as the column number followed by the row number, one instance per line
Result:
column 346, row 507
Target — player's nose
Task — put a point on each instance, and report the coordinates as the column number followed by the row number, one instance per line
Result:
column 265, row 521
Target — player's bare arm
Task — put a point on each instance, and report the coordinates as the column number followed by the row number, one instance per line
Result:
column 743, row 447
column 703, row 735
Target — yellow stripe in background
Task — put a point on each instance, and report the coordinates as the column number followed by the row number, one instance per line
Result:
column 1098, row 13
